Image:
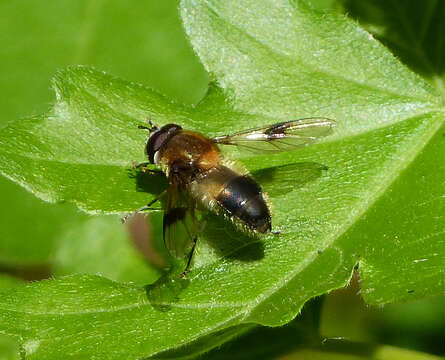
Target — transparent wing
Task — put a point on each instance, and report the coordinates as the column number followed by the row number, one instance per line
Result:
column 180, row 227
column 283, row 136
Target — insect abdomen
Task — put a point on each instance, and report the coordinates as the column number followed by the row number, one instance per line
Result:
column 242, row 197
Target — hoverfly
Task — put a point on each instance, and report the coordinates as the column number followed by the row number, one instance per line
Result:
column 200, row 177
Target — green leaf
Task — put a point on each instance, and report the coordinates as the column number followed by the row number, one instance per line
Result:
column 412, row 29
column 327, row 73
column 272, row 61
column 7, row 281
column 93, row 169
column 403, row 234
column 102, row 246
column 307, row 73
column 9, row 348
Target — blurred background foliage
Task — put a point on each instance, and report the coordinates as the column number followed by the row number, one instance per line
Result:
column 138, row 41
column 144, row 42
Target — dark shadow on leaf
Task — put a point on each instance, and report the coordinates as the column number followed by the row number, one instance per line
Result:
column 256, row 342
column 33, row 272
column 148, row 182
column 412, row 29
column 228, row 239
column 231, row 242
column 197, row 346
column 279, row 180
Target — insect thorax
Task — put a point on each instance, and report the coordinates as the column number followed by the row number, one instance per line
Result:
column 189, row 151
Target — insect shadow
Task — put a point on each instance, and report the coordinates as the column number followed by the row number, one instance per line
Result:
column 152, row 183
column 279, row 180
column 223, row 236
column 233, row 243
column 228, row 240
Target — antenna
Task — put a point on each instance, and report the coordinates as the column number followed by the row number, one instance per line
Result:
column 152, row 127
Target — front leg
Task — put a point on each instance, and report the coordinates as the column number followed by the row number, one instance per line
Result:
column 144, row 168
column 143, row 208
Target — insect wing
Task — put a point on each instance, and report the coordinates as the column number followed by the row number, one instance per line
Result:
column 283, row 136
column 180, row 224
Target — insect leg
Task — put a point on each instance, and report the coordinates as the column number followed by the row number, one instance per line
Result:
column 143, row 208
column 136, row 165
column 189, row 261
column 194, row 240
column 152, row 171
column 145, row 169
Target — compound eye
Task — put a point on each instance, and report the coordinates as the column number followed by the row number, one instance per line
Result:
column 158, row 139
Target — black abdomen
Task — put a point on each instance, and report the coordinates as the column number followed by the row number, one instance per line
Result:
column 242, row 197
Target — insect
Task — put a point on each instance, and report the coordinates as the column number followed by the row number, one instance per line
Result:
column 199, row 177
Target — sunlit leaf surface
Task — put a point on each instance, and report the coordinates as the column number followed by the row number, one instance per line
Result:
column 347, row 200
